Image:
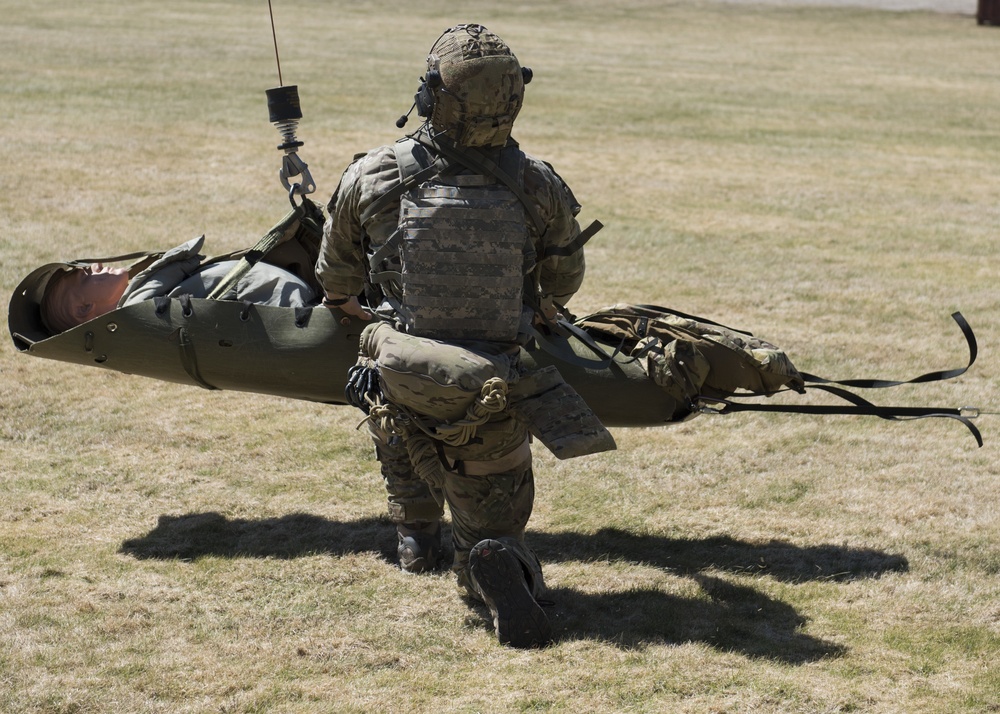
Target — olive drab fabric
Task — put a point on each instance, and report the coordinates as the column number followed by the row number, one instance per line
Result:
column 479, row 86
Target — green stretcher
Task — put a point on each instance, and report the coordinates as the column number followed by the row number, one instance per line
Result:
column 305, row 353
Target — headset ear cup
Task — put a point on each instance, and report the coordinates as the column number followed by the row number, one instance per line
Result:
column 526, row 74
column 424, row 100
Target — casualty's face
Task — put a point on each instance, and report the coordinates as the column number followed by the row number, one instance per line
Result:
column 93, row 291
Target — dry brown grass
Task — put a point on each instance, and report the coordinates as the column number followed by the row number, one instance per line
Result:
column 825, row 177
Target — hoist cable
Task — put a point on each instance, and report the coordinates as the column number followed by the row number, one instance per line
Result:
column 274, row 36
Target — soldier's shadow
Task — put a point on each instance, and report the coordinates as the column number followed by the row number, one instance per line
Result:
column 727, row 616
column 197, row 535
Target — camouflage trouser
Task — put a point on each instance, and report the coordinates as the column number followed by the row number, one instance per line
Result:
column 411, row 500
column 489, row 488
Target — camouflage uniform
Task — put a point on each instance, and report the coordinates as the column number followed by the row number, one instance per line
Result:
column 458, row 238
column 482, row 505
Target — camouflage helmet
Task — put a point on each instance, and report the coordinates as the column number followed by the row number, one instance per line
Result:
column 473, row 87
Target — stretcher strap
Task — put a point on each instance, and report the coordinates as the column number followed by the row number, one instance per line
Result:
column 189, row 360
column 560, row 349
column 255, row 254
column 858, row 405
column 970, row 339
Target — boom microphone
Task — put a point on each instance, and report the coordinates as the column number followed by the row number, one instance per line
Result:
column 401, row 122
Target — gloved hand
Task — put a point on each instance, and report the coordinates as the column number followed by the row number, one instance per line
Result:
column 347, row 304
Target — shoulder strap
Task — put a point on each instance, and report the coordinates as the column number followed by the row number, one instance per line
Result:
column 261, row 249
column 411, row 173
column 475, row 160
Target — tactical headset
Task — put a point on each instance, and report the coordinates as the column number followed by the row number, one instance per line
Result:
column 423, row 100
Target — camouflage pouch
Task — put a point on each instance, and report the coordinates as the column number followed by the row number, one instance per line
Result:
column 557, row 416
column 686, row 354
column 432, row 378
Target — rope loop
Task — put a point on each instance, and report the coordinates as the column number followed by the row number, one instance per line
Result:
column 492, row 399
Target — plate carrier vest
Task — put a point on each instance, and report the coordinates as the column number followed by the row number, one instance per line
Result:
column 462, row 247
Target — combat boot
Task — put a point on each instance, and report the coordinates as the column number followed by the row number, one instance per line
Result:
column 500, row 580
column 420, row 548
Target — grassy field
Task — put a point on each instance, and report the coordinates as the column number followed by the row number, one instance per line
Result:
column 827, row 178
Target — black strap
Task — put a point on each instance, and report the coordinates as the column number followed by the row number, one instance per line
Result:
column 86, row 262
column 189, row 359
column 562, row 351
column 695, row 318
column 863, row 406
column 161, row 304
column 970, row 339
column 576, row 244
column 186, row 308
column 858, row 406
column 302, row 315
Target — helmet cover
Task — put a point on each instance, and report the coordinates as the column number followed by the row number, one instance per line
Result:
column 477, row 85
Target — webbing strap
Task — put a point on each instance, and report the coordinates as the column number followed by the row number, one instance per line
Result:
column 400, row 188
column 255, row 254
column 970, row 339
column 859, row 406
column 562, row 350
column 484, row 165
column 863, row 406
column 189, row 359
column 115, row 259
column 684, row 316
column 576, row 244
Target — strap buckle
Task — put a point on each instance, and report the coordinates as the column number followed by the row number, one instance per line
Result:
column 709, row 406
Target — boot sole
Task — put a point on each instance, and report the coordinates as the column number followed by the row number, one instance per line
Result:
column 517, row 617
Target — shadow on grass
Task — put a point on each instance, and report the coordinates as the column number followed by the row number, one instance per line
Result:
column 729, row 617
column 778, row 559
column 197, row 535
